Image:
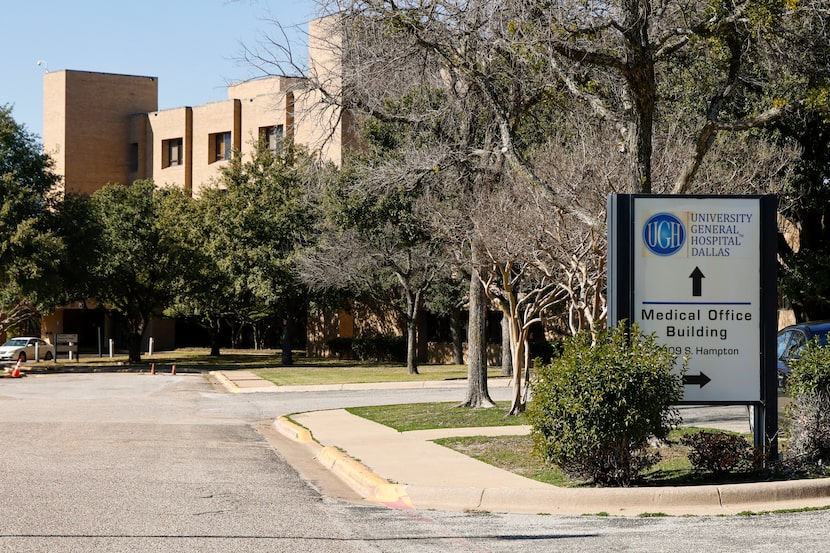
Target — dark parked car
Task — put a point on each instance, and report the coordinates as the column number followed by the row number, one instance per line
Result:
column 793, row 339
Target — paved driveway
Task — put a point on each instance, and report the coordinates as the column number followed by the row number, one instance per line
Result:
column 135, row 463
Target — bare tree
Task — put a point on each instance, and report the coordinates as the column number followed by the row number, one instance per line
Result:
column 372, row 245
column 527, row 264
column 578, row 99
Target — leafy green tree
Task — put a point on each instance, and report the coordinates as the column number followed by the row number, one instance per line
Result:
column 595, row 407
column 372, row 243
column 578, row 99
column 30, row 253
column 74, row 220
column 138, row 257
column 447, row 298
column 203, row 291
column 804, row 202
column 267, row 221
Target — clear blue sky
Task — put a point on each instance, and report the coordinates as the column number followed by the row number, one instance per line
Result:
column 192, row 46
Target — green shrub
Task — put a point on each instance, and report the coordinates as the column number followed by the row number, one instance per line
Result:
column 810, row 372
column 808, row 414
column 380, row 348
column 341, row 347
column 595, row 407
column 719, row 452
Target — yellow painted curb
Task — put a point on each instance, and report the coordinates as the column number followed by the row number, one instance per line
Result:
column 226, row 382
column 361, row 479
column 356, row 475
column 293, row 431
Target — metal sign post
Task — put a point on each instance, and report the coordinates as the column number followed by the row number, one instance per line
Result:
column 700, row 273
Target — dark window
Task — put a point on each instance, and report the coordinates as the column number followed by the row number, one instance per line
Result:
column 172, row 152
column 133, row 157
column 220, row 146
column 271, row 137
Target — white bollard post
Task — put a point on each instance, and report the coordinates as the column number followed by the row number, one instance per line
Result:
column 112, row 345
column 151, row 346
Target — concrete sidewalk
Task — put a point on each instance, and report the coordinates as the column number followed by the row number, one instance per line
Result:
column 246, row 382
column 408, row 470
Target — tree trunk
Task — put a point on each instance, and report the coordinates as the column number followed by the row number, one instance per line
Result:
column 134, row 347
column 518, row 345
column 287, row 356
column 477, row 393
column 287, row 337
column 412, row 305
column 639, row 76
column 506, row 352
column 412, row 346
column 457, row 339
column 136, row 323
column 214, row 334
column 517, row 338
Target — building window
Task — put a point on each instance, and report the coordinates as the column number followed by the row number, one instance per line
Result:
column 172, row 152
column 133, row 157
column 271, row 137
column 219, row 146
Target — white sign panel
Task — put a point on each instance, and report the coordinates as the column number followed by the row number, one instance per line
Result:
column 697, row 286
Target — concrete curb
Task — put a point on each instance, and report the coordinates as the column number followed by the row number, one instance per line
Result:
column 359, row 477
column 678, row 500
column 692, row 500
column 225, row 381
column 293, row 431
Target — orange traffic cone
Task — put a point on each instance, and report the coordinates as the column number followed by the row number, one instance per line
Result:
column 16, row 371
column 173, row 371
column 153, row 369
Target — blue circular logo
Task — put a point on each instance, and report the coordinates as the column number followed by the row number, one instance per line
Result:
column 664, row 234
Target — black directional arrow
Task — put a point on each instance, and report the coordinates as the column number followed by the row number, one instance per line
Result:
column 697, row 281
column 696, row 379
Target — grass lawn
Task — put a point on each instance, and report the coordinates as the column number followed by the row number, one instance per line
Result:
column 265, row 363
column 352, row 372
column 515, row 453
column 426, row 416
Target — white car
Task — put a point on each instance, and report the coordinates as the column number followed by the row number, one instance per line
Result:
column 23, row 348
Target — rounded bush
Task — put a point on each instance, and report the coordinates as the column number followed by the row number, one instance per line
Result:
column 595, row 407
column 808, row 414
column 719, row 452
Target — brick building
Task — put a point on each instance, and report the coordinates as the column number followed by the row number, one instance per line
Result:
column 106, row 128
column 103, row 128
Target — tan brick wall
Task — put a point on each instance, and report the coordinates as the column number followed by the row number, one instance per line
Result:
column 263, row 86
column 86, row 125
column 209, row 119
column 162, row 126
column 242, row 117
column 318, row 125
column 106, row 128
column 259, row 112
column 54, row 118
